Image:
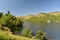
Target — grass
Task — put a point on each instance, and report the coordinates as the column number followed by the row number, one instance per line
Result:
column 8, row 36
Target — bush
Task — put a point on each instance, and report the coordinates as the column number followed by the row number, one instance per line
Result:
column 12, row 22
column 27, row 32
column 41, row 35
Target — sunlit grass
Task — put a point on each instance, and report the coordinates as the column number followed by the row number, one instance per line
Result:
column 4, row 36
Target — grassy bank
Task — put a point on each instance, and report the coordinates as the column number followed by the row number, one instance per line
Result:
column 8, row 36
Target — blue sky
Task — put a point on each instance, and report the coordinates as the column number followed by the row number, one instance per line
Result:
column 25, row 7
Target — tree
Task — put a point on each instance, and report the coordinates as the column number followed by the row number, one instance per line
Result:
column 1, row 14
column 12, row 22
column 8, row 12
column 41, row 35
column 27, row 32
column 30, row 34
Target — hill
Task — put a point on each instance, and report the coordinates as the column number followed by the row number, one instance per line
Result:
column 54, row 13
column 43, row 17
column 40, row 14
column 8, row 36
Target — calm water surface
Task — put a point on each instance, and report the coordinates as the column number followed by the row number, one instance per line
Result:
column 52, row 29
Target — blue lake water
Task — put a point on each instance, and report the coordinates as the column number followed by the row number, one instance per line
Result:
column 52, row 29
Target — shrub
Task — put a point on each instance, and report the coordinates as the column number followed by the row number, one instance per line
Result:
column 41, row 35
column 12, row 22
column 27, row 32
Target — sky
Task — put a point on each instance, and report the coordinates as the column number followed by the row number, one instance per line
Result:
column 25, row 7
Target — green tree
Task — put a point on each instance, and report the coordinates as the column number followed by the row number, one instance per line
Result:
column 12, row 22
column 1, row 14
column 27, row 32
column 30, row 34
column 41, row 35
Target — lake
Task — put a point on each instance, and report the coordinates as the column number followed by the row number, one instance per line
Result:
column 52, row 29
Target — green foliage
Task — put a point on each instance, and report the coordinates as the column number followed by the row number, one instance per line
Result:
column 5, row 29
column 44, row 19
column 38, row 19
column 9, row 36
column 30, row 34
column 27, row 32
column 1, row 14
column 12, row 22
column 41, row 35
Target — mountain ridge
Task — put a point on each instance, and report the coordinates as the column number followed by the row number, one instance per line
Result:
column 40, row 14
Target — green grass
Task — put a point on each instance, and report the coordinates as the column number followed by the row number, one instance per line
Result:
column 8, row 36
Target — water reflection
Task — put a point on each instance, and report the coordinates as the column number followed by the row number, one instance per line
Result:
column 52, row 29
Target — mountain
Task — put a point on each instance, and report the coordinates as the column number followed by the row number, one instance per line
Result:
column 41, row 14
column 54, row 13
column 27, row 17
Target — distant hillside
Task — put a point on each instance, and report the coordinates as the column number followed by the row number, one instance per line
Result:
column 43, row 17
column 27, row 17
column 54, row 13
column 40, row 14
